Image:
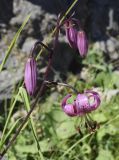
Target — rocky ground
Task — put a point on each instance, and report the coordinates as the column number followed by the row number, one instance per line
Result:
column 99, row 18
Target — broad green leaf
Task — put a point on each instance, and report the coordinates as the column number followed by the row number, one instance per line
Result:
column 100, row 117
column 108, row 129
column 26, row 148
column 66, row 130
column 105, row 155
column 59, row 115
column 46, row 145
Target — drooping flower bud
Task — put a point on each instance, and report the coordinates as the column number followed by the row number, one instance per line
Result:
column 30, row 76
column 71, row 34
column 82, row 43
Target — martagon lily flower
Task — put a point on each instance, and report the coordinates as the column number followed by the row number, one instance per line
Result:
column 82, row 104
column 30, row 76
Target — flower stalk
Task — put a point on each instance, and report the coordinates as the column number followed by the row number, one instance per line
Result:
column 61, row 84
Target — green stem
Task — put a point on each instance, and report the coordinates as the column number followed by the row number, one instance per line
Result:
column 7, row 121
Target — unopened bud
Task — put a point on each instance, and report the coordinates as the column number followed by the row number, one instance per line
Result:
column 30, row 76
column 82, row 43
column 71, row 34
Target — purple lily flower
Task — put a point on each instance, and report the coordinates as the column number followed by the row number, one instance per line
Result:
column 82, row 43
column 84, row 103
column 30, row 76
column 71, row 34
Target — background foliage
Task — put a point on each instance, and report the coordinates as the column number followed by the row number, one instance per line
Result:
column 56, row 132
column 50, row 134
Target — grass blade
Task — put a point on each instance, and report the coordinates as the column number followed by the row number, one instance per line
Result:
column 14, row 41
column 9, row 133
column 27, row 105
column 8, row 118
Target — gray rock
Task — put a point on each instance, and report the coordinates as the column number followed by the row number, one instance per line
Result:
column 98, row 17
column 110, row 46
column 103, row 15
column 11, row 74
column 8, row 79
column 29, row 42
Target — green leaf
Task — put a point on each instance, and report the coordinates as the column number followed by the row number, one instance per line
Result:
column 100, row 117
column 26, row 148
column 59, row 115
column 26, row 100
column 9, row 132
column 66, row 130
column 85, row 149
column 8, row 118
column 25, row 97
column 105, row 155
column 14, row 41
column 46, row 145
column 108, row 129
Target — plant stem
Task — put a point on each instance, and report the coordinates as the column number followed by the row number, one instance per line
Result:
column 36, row 45
column 61, row 84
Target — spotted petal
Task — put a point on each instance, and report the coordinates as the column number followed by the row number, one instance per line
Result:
column 94, row 99
column 82, row 104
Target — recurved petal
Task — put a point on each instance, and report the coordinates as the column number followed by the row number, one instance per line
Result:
column 65, row 100
column 94, row 99
column 69, row 109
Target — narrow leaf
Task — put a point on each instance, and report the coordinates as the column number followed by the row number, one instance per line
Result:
column 14, row 41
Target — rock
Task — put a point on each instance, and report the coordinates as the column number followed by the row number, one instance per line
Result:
column 102, row 16
column 29, row 42
column 98, row 17
column 40, row 24
column 90, row 14
column 11, row 74
column 110, row 46
column 8, row 79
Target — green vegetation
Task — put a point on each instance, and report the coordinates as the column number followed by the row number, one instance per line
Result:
column 50, row 134
column 56, row 133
